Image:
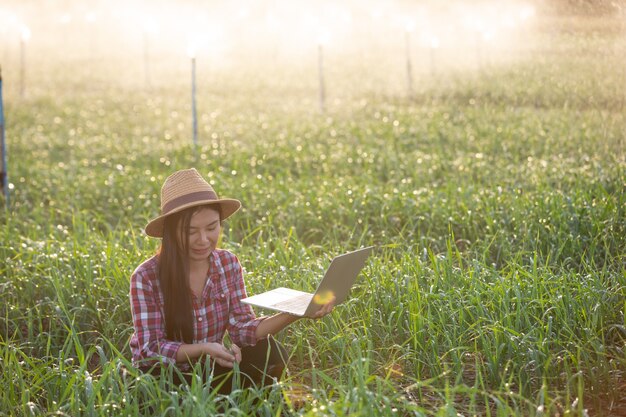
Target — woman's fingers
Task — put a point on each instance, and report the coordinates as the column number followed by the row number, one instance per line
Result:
column 326, row 309
column 224, row 363
column 225, row 354
column 221, row 355
column 236, row 352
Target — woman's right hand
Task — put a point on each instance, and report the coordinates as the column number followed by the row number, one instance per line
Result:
column 220, row 354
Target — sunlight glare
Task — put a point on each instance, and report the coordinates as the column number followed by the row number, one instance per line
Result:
column 323, row 297
column 191, row 49
column 65, row 19
column 149, row 25
column 25, row 33
column 323, row 36
column 90, row 17
column 527, row 12
column 434, row 41
column 277, row 32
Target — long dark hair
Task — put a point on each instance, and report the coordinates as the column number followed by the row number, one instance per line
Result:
column 173, row 270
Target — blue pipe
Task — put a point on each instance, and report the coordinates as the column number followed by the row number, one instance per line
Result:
column 4, row 174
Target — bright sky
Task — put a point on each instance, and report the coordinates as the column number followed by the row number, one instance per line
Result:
column 294, row 25
column 152, row 39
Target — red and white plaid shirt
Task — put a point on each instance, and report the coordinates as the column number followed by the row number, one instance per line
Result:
column 218, row 310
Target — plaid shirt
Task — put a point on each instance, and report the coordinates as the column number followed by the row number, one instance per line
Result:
column 218, row 310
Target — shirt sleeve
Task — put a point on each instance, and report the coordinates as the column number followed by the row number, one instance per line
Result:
column 242, row 322
column 151, row 344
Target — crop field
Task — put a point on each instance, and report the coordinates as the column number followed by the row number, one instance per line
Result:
column 494, row 192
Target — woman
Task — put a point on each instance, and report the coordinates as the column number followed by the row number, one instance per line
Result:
column 186, row 297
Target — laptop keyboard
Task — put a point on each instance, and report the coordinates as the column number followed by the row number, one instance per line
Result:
column 295, row 304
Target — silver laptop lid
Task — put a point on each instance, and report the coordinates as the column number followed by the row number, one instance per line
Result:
column 339, row 278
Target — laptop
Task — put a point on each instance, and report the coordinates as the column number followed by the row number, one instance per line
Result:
column 337, row 282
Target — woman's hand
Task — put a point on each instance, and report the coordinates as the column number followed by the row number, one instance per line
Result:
column 236, row 351
column 277, row 322
column 223, row 356
column 326, row 309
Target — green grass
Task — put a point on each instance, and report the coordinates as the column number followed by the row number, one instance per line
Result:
column 496, row 200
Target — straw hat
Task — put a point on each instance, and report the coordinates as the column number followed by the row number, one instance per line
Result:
column 184, row 189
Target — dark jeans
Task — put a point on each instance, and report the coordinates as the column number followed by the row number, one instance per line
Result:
column 259, row 365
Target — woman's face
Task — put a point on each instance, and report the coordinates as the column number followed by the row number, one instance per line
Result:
column 204, row 232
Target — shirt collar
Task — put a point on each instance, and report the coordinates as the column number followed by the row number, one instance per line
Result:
column 215, row 264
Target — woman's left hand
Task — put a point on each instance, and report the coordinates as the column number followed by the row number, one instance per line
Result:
column 325, row 310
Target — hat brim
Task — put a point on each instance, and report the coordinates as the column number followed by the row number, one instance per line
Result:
column 228, row 206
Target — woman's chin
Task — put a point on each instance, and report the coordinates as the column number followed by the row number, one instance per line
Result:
column 198, row 255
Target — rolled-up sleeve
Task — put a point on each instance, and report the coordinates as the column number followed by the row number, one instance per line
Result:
column 242, row 322
column 148, row 344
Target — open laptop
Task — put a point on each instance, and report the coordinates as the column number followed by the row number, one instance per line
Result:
column 337, row 281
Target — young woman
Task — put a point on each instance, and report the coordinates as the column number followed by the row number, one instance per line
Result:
column 187, row 297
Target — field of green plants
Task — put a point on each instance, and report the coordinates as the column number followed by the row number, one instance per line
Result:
column 495, row 197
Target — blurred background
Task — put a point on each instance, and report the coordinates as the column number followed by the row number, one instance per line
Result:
column 357, row 47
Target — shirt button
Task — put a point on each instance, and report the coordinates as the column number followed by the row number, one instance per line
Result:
column 199, row 318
